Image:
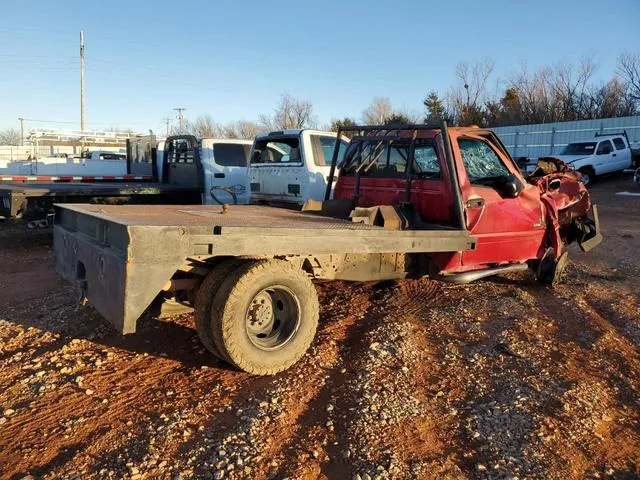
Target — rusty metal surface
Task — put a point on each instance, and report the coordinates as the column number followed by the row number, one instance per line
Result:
column 88, row 189
column 124, row 255
column 211, row 215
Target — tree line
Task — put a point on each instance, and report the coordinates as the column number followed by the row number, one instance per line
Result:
column 563, row 92
column 559, row 93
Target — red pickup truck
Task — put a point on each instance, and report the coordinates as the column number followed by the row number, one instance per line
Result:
column 409, row 201
column 516, row 220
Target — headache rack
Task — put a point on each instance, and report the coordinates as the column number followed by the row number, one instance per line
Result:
column 391, row 133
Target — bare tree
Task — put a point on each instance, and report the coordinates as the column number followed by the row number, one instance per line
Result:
column 629, row 71
column 290, row 113
column 467, row 98
column 205, row 126
column 247, row 129
column 569, row 86
column 10, row 136
column 609, row 100
column 378, row 112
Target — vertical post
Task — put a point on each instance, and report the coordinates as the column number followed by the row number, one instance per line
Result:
column 409, row 172
column 515, row 144
column 180, row 117
column 458, row 208
column 21, row 131
column 82, row 81
column 553, row 140
column 332, row 170
column 356, row 187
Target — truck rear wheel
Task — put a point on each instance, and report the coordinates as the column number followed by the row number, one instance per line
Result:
column 265, row 316
column 204, row 300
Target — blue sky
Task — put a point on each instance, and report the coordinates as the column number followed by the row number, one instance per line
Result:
column 233, row 60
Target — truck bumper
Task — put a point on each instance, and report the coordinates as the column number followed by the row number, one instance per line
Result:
column 590, row 236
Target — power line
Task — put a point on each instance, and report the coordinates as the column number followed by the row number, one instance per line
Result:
column 19, row 55
column 63, row 122
column 82, row 80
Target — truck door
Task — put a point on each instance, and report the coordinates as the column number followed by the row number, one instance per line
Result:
column 225, row 165
column 605, row 161
column 319, row 164
column 508, row 229
column 622, row 153
column 277, row 172
column 182, row 164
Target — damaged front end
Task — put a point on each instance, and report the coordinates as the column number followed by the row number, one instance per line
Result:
column 569, row 208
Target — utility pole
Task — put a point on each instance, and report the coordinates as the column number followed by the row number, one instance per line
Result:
column 21, row 131
column 82, row 81
column 180, row 117
column 167, row 121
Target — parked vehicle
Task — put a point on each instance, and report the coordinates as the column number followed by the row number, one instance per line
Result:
column 103, row 155
column 636, row 176
column 409, row 201
column 605, row 154
column 218, row 166
column 288, row 167
column 191, row 171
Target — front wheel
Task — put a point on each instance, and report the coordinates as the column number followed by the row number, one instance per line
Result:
column 264, row 316
column 550, row 269
column 588, row 175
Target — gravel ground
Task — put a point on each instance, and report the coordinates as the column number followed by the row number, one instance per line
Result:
column 501, row 379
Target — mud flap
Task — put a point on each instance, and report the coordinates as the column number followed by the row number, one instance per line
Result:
column 590, row 235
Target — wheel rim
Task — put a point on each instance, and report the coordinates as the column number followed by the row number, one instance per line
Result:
column 586, row 179
column 272, row 318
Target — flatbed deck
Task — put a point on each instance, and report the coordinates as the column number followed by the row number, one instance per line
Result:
column 262, row 230
column 124, row 254
column 15, row 196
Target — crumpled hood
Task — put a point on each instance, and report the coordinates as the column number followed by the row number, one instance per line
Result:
column 569, row 159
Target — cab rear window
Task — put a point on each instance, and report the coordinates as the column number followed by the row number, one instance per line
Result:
column 389, row 158
column 279, row 151
column 619, row 143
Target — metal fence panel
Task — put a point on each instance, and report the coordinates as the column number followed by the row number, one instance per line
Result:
column 542, row 139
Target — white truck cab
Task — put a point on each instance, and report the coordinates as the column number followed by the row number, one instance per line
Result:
column 218, row 166
column 290, row 166
column 604, row 154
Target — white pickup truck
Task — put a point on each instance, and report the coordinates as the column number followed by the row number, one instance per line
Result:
column 288, row 167
column 604, row 154
column 283, row 168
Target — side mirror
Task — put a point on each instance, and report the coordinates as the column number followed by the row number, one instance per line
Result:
column 511, row 187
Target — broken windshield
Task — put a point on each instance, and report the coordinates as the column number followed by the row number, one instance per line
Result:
column 482, row 164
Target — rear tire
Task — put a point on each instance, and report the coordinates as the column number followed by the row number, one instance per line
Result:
column 204, row 300
column 588, row 175
column 264, row 316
